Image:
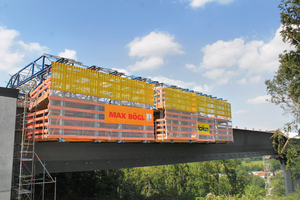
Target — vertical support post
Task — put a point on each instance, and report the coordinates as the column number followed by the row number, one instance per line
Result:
column 290, row 184
column 162, row 124
column 18, row 79
column 42, row 76
column 43, row 62
column 32, row 68
column 43, row 124
column 62, row 113
column 120, row 133
column 55, row 189
column 43, row 195
column 268, row 187
column 197, row 119
column 145, row 127
column 207, row 120
column 96, row 116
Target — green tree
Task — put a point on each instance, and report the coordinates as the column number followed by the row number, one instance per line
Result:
column 258, row 181
column 255, row 192
column 237, row 181
column 275, row 165
column 278, row 185
column 284, row 88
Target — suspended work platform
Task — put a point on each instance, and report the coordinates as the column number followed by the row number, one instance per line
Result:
column 73, row 102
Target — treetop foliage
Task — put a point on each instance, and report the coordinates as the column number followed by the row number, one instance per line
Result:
column 290, row 21
column 284, row 88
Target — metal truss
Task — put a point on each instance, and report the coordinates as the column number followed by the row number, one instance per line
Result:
column 39, row 70
column 36, row 72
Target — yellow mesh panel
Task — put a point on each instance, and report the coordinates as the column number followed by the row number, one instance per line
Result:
column 228, row 109
column 79, row 80
column 185, row 101
column 180, row 100
column 201, row 104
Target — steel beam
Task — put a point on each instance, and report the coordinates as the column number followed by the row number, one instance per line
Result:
column 71, row 157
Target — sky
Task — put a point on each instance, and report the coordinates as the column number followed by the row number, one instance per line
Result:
column 225, row 48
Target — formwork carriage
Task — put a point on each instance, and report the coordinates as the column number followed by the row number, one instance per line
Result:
column 187, row 116
column 78, row 104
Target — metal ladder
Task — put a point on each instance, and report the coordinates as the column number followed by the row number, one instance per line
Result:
column 24, row 181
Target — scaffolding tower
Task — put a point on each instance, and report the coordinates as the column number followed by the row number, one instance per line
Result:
column 267, row 171
column 25, row 160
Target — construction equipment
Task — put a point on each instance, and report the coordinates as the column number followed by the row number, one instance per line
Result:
column 24, row 180
column 74, row 102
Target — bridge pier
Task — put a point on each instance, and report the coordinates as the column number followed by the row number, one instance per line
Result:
column 8, row 106
column 290, row 184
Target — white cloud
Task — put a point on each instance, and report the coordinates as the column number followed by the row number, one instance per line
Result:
column 147, row 64
column 182, row 84
column 255, row 79
column 220, row 76
column 13, row 51
column 222, row 54
column 191, row 67
column 71, row 54
column 122, row 71
column 152, row 48
column 259, row 99
column 155, row 44
column 7, row 37
column 241, row 58
column 204, row 88
column 254, row 56
column 259, row 56
column 214, row 74
column 201, row 3
column 178, row 83
column 33, row 47
column 223, row 81
column 242, row 81
column 241, row 111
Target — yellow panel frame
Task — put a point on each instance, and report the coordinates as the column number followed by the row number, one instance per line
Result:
column 79, row 80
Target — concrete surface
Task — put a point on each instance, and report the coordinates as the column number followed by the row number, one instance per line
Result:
column 8, row 106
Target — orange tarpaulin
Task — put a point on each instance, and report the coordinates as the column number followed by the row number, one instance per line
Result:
column 128, row 115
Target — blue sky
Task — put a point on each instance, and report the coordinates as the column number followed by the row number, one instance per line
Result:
column 226, row 48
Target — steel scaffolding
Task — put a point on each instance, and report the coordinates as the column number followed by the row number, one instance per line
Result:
column 268, row 185
column 26, row 159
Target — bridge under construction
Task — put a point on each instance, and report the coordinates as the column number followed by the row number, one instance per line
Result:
column 66, row 107
column 66, row 100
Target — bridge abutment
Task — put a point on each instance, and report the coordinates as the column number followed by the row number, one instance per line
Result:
column 8, row 106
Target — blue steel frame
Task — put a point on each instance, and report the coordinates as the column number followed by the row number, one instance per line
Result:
column 31, row 71
column 39, row 69
column 36, row 70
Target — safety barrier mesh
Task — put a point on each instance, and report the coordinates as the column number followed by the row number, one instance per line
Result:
column 188, row 116
column 69, row 116
column 178, row 125
column 79, row 119
column 82, row 103
column 79, row 80
column 176, row 99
